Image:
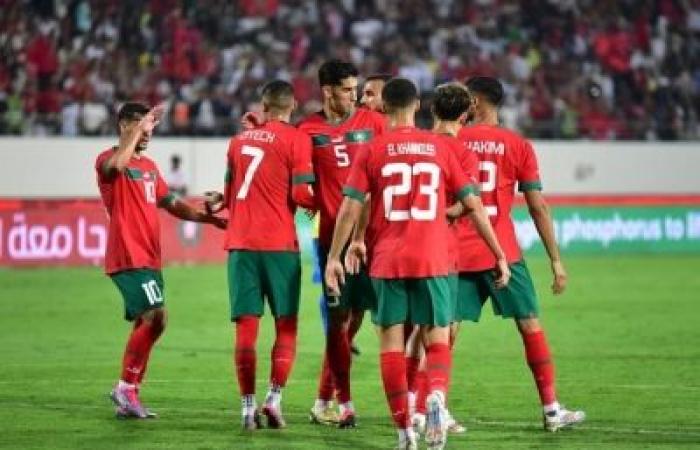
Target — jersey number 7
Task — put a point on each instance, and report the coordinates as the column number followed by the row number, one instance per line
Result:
column 257, row 154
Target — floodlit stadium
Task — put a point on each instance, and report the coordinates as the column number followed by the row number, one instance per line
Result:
column 349, row 224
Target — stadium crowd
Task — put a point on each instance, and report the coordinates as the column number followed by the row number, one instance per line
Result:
column 596, row 69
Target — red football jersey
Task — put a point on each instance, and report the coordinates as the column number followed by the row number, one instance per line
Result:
column 470, row 166
column 334, row 150
column 409, row 174
column 131, row 199
column 263, row 164
column 505, row 158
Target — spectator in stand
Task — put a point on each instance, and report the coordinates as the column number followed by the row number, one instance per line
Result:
column 643, row 55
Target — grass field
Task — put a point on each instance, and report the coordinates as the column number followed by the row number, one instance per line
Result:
column 626, row 340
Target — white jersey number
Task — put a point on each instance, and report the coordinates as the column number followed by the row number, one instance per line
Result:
column 489, row 184
column 429, row 189
column 257, row 154
column 341, row 155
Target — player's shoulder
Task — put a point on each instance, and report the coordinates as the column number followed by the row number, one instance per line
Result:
column 369, row 115
column 311, row 121
column 104, row 154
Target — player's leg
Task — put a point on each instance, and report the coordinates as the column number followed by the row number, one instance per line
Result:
column 142, row 291
column 322, row 411
column 519, row 301
column 356, row 318
column 282, row 286
column 431, row 306
column 390, row 315
column 245, row 296
column 339, row 360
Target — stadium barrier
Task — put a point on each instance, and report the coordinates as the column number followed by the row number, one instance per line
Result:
column 53, row 232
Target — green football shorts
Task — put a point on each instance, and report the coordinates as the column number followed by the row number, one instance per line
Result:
column 517, row 300
column 420, row 301
column 142, row 289
column 357, row 292
column 256, row 275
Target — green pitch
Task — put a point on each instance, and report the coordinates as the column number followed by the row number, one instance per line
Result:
column 626, row 341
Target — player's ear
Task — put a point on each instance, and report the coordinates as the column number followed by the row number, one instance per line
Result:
column 416, row 106
column 327, row 91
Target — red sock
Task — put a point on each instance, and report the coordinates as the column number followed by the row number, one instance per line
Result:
column 439, row 362
column 421, row 390
column 540, row 362
column 393, row 366
column 245, row 358
column 284, row 350
column 325, row 382
column 156, row 331
column 138, row 349
column 339, row 359
column 412, row 365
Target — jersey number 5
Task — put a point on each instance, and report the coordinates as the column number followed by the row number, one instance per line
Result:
column 407, row 172
column 341, row 155
column 257, row 154
column 489, row 183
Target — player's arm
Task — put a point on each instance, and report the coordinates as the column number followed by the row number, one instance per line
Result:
column 356, row 254
column 349, row 214
column 302, row 172
column 476, row 212
column 120, row 158
column 183, row 210
column 540, row 213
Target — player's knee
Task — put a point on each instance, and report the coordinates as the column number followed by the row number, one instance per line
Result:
column 529, row 325
column 156, row 319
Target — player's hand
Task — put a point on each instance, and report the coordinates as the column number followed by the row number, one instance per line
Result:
column 502, row 273
column 335, row 277
column 219, row 222
column 251, row 120
column 355, row 256
column 152, row 118
column 560, row 277
column 454, row 212
column 213, row 202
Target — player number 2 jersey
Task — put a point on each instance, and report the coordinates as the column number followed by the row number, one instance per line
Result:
column 408, row 173
column 505, row 159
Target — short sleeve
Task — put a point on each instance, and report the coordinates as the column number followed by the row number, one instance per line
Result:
column 357, row 184
column 302, row 169
column 458, row 180
column 528, row 174
column 102, row 178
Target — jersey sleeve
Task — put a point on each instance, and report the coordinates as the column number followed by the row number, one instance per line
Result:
column 458, row 180
column 302, row 169
column 228, row 176
column 469, row 163
column 102, row 177
column 528, row 174
column 357, row 184
column 163, row 195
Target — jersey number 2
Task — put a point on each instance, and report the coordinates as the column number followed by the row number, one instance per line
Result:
column 257, row 154
column 489, row 184
column 407, row 172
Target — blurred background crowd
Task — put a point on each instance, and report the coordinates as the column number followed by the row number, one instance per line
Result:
column 592, row 69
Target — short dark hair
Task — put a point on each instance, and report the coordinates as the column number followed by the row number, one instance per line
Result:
column 379, row 76
column 278, row 94
column 399, row 93
column 132, row 111
column 334, row 71
column 490, row 88
column 450, row 101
